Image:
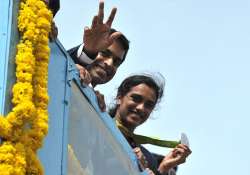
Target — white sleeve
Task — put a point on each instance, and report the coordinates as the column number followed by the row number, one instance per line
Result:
column 83, row 57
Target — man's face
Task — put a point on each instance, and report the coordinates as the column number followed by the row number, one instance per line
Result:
column 106, row 63
column 135, row 107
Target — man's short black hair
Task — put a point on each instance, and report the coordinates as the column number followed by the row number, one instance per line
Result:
column 123, row 41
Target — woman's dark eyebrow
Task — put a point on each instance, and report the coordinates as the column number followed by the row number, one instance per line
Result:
column 148, row 101
column 136, row 95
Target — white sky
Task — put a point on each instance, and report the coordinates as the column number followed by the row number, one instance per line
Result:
column 202, row 49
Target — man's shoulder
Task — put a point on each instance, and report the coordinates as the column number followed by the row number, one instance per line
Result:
column 73, row 50
column 73, row 54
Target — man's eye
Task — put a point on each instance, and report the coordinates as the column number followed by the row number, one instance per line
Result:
column 105, row 53
column 116, row 62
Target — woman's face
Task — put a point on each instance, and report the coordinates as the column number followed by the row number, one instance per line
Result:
column 135, row 107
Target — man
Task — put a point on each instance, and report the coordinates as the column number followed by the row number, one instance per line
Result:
column 103, row 51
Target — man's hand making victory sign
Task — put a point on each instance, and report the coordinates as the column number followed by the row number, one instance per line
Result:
column 98, row 37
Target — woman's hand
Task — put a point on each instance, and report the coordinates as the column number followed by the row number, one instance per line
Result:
column 176, row 157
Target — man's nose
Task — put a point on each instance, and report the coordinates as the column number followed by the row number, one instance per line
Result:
column 108, row 61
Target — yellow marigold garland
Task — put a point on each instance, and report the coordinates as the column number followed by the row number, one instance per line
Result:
column 25, row 127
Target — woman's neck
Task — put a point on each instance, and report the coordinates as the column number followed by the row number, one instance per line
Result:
column 118, row 118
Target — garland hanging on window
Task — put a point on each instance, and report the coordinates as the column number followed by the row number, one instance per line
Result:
column 25, row 127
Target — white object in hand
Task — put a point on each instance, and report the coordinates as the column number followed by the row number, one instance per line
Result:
column 184, row 139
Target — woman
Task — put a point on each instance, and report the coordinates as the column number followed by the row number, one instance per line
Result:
column 136, row 98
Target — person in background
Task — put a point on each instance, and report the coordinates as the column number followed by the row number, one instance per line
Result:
column 136, row 98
